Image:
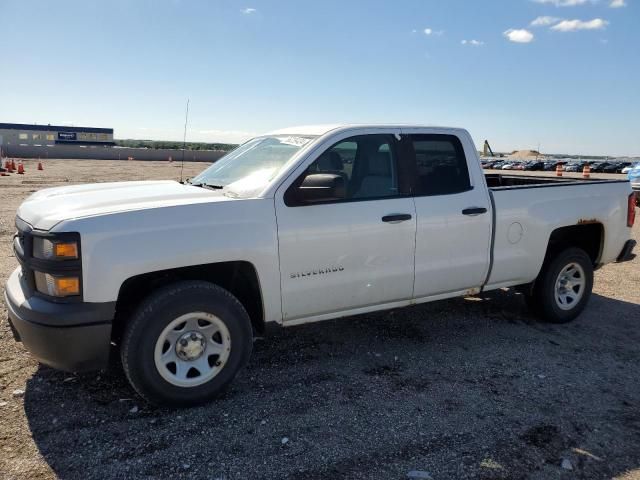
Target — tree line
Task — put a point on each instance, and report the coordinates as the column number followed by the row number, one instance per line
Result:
column 172, row 145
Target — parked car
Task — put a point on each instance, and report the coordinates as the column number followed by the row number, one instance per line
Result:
column 550, row 165
column 488, row 164
column 615, row 167
column 629, row 167
column 599, row 167
column 622, row 166
column 534, row 166
column 575, row 166
column 510, row 166
column 178, row 276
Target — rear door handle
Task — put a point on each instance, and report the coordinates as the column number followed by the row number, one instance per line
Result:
column 474, row 211
column 396, row 218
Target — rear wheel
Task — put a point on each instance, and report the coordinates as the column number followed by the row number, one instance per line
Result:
column 563, row 287
column 185, row 343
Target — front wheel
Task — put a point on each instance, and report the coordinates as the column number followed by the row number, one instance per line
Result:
column 563, row 287
column 185, row 343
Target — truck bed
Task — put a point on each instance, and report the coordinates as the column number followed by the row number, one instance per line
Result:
column 498, row 181
column 527, row 209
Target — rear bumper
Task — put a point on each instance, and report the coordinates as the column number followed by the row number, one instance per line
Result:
column 627, row 251
column 66, row 336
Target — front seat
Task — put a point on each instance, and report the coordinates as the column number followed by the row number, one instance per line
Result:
column 378, row 181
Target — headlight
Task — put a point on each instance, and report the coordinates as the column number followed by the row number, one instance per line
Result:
column 57, row 286
column 45, row 249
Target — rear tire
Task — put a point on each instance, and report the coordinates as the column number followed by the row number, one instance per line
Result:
column 563, row 286
column 185, row 343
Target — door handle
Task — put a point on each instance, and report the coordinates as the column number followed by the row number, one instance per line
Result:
column 396, row 218
column 474, row 211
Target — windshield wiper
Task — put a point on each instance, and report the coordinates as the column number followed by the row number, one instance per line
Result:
column 207, row 185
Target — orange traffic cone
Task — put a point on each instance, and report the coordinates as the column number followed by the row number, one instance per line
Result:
column 7, row 164
column 586, row 171
column 21, row 168
column 40, row 166
column 13, row 164
column 558, row 170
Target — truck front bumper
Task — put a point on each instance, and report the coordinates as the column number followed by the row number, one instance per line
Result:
column 67, row 336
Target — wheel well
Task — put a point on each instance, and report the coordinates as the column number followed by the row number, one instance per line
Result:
column 240, row 278
column 589, row 237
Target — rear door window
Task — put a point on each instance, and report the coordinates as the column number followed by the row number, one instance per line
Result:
column 439, row 165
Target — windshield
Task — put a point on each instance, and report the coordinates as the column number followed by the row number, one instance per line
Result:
column 249, row 168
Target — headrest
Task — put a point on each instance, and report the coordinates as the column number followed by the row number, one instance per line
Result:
column 380, row 164
column 330, row 161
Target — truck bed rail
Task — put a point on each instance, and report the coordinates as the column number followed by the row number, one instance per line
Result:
column 497, row 181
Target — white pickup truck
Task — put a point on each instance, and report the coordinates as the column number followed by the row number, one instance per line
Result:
column 295, row 226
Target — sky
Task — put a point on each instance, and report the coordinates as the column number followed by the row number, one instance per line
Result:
column 563, row 75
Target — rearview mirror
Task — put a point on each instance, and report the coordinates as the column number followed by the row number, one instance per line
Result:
column 322, row 187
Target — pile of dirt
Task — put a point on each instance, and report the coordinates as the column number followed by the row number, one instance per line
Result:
column 526, row 154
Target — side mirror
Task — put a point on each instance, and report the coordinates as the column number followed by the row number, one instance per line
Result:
column 322, row 187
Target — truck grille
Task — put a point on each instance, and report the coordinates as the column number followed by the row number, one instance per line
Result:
column 20, row 238
column 22, row 248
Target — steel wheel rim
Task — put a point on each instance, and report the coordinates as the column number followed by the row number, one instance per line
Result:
column 201, row 358
column 570, row 286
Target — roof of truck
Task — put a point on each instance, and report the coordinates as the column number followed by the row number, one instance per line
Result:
column 307, row 129
column 322, row 129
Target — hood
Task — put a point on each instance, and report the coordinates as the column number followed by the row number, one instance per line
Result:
column 46, row 208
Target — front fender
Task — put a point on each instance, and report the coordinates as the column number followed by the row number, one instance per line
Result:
column 119, row 246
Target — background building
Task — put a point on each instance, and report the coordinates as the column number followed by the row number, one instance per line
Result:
column 18, row 134
column 19, row 140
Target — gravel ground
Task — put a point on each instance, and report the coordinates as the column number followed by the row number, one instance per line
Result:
column 465, row 388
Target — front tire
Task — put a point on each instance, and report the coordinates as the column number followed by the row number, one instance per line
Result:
column 563, row 286
column 185, row 343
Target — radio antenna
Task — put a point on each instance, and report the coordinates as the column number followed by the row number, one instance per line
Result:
column 184, row 140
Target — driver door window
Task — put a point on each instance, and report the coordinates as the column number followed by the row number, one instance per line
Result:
column 367, row 163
